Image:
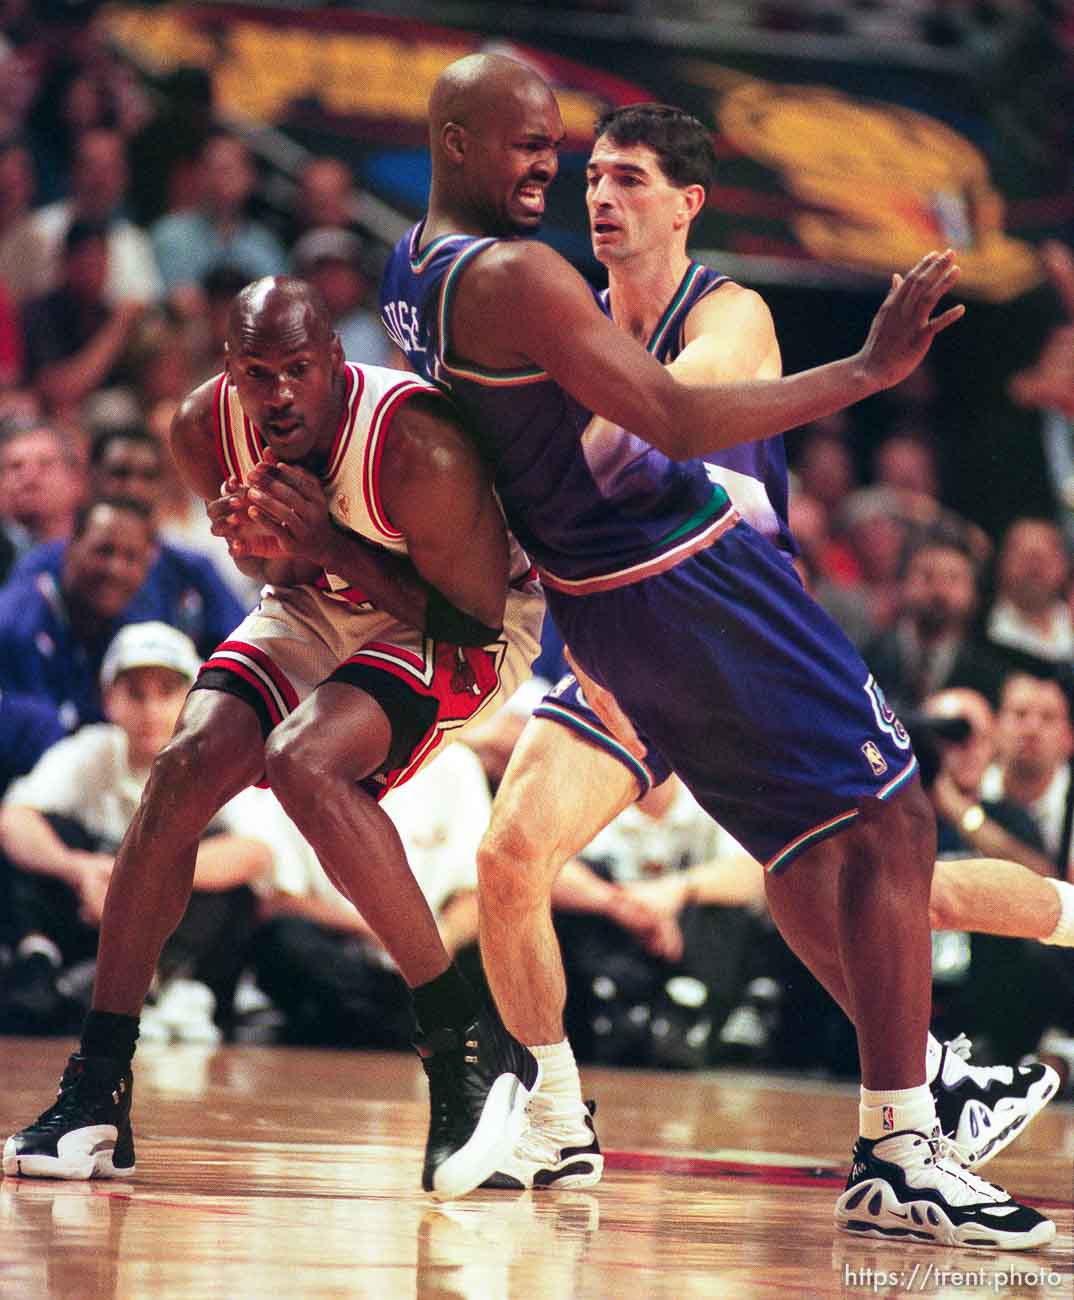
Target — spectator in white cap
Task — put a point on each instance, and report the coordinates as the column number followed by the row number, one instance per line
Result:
column 335, row 260
column 61, row 824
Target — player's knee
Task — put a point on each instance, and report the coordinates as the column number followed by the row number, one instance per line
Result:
column 292, row 758
column 196, row 768
column 508, row 872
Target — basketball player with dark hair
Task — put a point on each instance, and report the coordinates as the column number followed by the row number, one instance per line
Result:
column 571, row 774
column 396, row 612
column 669, row 599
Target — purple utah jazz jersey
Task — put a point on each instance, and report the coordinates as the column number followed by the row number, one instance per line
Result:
column 619, row 507
column 754, row 473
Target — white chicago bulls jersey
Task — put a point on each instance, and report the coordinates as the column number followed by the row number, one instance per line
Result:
column 352, row 477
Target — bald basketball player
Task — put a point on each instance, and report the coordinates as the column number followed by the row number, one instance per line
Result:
column 396, row 612
column 689, row 616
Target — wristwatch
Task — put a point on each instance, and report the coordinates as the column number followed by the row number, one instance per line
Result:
column 972, row 819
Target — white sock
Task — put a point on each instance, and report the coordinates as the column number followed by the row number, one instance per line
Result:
column 882, row 1113
column 561, row 1084
column 1063, row 934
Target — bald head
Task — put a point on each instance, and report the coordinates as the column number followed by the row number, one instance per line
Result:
column 287, row 364
column 495, row 132
column 279, row 312
column 473, row 91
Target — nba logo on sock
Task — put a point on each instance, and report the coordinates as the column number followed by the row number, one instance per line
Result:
column 887, row 1119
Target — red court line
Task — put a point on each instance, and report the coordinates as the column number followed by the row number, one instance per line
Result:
column 771, row 1175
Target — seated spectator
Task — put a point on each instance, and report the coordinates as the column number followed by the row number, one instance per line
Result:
column 24, row 261
column 955, row 751
column 819, row 558
column 869, row 534
column 206, row 334
column 315, row 956
column 651, row 976
column 61, row 825
column 99, row 181
column 823, row 466
column 1029, row 992
column 1034, row 746
column 326, row 195
column 189, row 244
column 42, row 482
column 930, row 645
column 182, row 587
column 74, row 338
column 27, row 728
column 1031, row 611
column 907, row 463
column 55, row 627
column 332, row 259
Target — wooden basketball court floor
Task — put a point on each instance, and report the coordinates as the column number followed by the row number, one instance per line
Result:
column 275, row 1172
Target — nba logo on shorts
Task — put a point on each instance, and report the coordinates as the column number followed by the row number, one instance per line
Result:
column 887, row 1119
column 874, row 758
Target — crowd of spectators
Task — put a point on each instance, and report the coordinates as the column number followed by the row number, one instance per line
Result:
column 112, row 305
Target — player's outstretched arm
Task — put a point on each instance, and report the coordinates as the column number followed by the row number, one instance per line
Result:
column 538, row 310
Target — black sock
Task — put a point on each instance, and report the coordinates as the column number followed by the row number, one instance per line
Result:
column 446, row 1002
column 106, row 1034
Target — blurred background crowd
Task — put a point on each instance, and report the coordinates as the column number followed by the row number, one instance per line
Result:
column 132, row 208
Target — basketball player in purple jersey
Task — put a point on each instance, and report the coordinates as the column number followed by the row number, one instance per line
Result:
column 758, row 701
column 570, row 774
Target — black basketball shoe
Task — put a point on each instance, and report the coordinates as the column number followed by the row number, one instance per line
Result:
column 905, row 1187
column 480, row 1080
column 85, row 1133
column 982, row 1109
column 556, row 1150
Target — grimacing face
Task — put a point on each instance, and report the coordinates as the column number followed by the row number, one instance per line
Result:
column 512, row 159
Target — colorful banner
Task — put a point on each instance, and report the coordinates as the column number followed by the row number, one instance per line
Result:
column 826, row 169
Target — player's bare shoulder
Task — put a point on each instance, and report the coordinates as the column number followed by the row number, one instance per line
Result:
column 426, row 445
column 729, row 306
column 513, row 294
column 193, row 438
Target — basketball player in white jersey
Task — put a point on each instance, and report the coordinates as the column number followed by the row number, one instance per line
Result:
column 396, row 612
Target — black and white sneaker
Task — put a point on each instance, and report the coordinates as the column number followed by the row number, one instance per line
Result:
column 556, row 1150
column 907, row 1188
column 480, row 1081
column 982, row 1109
column 85, row 1133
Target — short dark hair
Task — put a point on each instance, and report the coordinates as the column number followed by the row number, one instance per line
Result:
column 682, row 143
column 127, row 504
column 124, row 433
column 939, row 536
